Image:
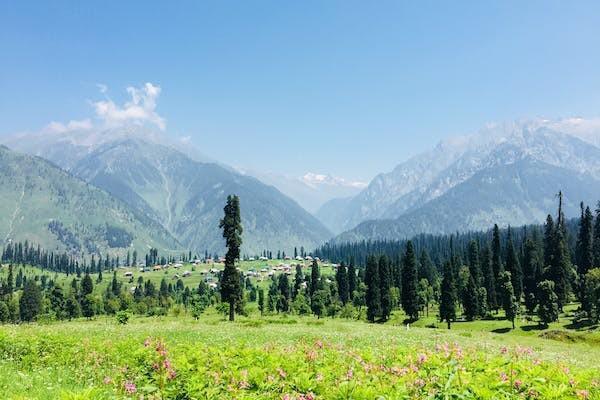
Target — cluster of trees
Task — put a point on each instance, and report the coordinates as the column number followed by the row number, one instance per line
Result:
column 40, row 297
column 538, row 272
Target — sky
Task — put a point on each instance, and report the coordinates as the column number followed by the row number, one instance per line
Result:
column 349, row 88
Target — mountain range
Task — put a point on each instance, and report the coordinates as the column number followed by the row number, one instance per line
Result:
column 48, row 206
column 506, row 174
column 182, row 192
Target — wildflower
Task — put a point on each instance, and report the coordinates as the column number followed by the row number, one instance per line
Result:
column 319, row 377
column 583, row 394
column 319, row 344
column 171, row 374
column 422, row 358
column 419, row 382
column 518, row 383
column 286, row 397
column 503, row 377
column 107, row 380
column 244, row 385
column 572, row 382
column 349, row 374
column 311, row 355
column 147, row 342
column 130, row 387
column 281, row 373
column 503, row 350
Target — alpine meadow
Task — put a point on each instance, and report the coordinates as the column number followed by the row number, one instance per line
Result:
column 311, row 200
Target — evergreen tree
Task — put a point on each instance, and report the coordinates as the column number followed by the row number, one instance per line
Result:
column 547, row 303
column 497, row 266
column 114, row 286
column 30, row 303
column 283, row 302
column 373, row 294
column 261, row 301
column 596, row 239
column 352, row 286
column 231, row 291
column 409, row 284
column 426, row 268
column 315, row 276
column 298, row 280
column 385, row 285
column 514, row 267
column 489, row 280
column 448, row 296
column 9, row 284
column 471, row 299
column 509, row 301
column 584, row 253
column 532, row 272
column 341, row 278
column 549, row 241
column 474, row 263
column 87, row 286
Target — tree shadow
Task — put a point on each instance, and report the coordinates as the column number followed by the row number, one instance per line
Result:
column 581, row 325
column 536, row 327
column 501, row 330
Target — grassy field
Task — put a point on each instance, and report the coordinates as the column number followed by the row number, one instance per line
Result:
column 288, row 358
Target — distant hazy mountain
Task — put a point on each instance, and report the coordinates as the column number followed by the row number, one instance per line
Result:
column 41, row 203
column 409, row 191
column 311, row 190
column 185, row 195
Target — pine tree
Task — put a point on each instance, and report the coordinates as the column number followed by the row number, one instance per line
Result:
column 509, row 301
column 114, row 286
column 474, row 263
column 497, row 266
column 261, row 301
column 231, row 291
column 471, row 299
column 532, row 272
column 341, row 278
column 283, row 302
column 409, row 283
column 385, row 286
column 489, row 280
column 547, row 303
column 87, row 286
column 298, row 280
column 9, row 284
column 352, row 286
column 549, row 241
column 596, row 239
column 514, row 267
column 426, row 268
column 584, row 253
column 448, row 296
column 373, row 295
column 315, row 276
column 30, row 303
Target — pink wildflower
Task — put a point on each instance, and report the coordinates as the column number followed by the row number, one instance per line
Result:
column 583, row 394
column 147, row 342
column 171, row 374
column 319, row 344
column 281, row 373
column 130, row 387
column 349, row 374
column 419, row 382
column 518, row 383
column 572, row 382
column 422, row 358
column 244, row 385
column 107, row 380
column 503, row 350
column 503, row 377
column 319, row 377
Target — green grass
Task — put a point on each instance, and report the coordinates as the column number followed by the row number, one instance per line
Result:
column 275, row 357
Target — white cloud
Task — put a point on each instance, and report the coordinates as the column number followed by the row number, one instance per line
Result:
column 102, row 87
column 140, row 109
column 73, row 125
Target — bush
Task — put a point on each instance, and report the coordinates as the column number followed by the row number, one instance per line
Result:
column 123, row 317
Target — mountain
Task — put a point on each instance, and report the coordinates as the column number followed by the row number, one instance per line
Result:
column 311, row 190
column 41, row 203
column 183, row 193
column 412, row 186
column 519, row 193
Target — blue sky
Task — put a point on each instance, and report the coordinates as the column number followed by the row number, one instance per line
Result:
column 349, row 88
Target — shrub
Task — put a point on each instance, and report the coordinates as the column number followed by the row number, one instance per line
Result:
column 122, row 317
